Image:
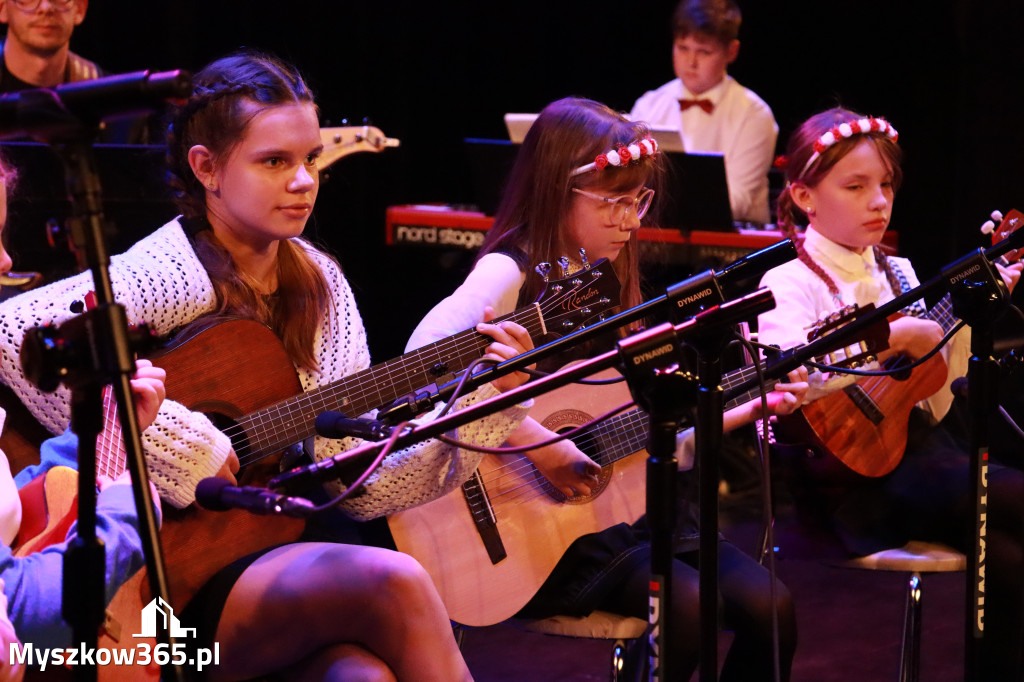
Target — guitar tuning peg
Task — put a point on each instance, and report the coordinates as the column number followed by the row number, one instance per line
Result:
column 543, row 269
column 563, row 263
column 989, row 226
column 583, row 259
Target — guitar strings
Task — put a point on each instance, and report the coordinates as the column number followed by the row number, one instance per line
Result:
column 522, row 467
column 262, row 425
column 628, row 430
column 301, row 406
column 110, row 451
column 631, row 431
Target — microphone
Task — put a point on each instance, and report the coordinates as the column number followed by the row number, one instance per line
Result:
column 216, row 494
column 336, row 425
column 43, row 113
column 735, row 278
column 959, row 387
column 710, row 288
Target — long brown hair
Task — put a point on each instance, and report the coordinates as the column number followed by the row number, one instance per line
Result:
column 534, row 211
column 799, row 151
column 227, row 94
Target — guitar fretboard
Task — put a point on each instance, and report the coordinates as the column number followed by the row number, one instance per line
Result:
column 942, row 312
column 564, row 305
column 626, row 433
column 278, row 426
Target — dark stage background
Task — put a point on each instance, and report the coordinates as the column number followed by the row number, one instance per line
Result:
column 947, row 74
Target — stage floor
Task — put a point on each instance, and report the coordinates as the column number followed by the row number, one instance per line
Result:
column 850, row 622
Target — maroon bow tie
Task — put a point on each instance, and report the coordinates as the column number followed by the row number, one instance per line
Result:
column 704, row 104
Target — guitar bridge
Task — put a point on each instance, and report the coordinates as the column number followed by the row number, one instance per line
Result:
column 483, row 517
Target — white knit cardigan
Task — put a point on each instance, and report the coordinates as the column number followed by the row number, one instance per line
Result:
column 161, row 282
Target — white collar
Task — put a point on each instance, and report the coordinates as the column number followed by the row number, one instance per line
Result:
column 715, row 94
column 822, row 248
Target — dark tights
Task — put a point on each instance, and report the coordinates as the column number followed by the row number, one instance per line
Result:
column 746, row 608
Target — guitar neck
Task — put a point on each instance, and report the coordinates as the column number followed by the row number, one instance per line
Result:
column 624, row 434
column 942, row 312
column 743, row 376
column 110, row 452
column 276, row 427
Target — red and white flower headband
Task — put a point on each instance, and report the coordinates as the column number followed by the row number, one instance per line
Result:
column 849, row 129
column 621, row 155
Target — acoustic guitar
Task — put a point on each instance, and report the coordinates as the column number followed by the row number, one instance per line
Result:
column 864, row 425
column 265, row 412
column 489, row 546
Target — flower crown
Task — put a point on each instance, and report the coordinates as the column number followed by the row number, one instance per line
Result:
column 621, row 156
column 849, row 129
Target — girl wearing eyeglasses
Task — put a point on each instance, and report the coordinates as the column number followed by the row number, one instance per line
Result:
column 584, row 179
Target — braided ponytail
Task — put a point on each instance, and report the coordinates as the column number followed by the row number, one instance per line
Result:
column 807, row 165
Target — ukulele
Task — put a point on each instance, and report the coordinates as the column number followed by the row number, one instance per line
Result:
column 49, row 502
column 864, row 425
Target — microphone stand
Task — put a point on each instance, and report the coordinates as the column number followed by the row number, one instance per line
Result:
column 978, row 294
column 651, row 365
column 86, row 353
column 648, row 362
column 683, row 300
column 707, row 447
column 978, row 304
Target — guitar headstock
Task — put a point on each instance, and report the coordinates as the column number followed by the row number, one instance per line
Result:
column 575, row 300
column 873, row 339
column 1008, row 224
column 339, row 142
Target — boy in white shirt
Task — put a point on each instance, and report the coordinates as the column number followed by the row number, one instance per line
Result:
column 711, row 110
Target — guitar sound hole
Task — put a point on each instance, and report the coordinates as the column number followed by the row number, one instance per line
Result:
column 899, row 365
column 589, row 446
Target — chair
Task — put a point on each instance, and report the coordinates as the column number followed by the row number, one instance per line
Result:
column 598, row 625
column 915, row 558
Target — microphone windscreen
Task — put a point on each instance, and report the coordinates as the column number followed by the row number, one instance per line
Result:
column 325, row 421
column 208, row 493
column 959, row 386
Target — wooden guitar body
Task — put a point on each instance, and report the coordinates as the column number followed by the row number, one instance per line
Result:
column 49, row 505
column 535, row 522
column 865, row 426
column 229, row 369
column 490, row 545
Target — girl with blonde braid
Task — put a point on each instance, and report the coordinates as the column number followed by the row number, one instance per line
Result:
column 842, row 172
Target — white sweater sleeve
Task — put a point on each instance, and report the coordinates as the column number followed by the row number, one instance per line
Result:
column 494, row 281
column 421, row 472
column 159, row 281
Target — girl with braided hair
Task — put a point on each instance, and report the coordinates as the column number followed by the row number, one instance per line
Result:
column 842, row 172
column 242, row 152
